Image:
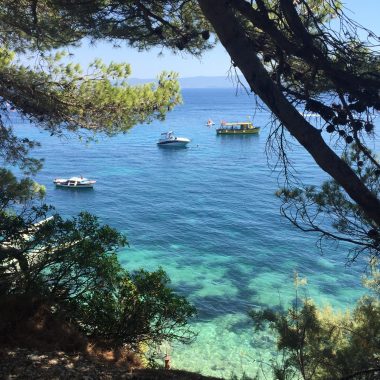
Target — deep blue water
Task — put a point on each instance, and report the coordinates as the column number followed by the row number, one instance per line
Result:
column 207, row 215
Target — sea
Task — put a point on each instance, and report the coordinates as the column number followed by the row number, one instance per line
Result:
column 208, row 215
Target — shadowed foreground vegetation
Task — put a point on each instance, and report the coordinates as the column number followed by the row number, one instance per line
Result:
column 321, row 343
column 38, row 344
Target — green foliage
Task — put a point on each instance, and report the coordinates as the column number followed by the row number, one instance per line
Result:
column 73, row 266
column 16, row 192
column 61, row 97
column 14, row 150
column 140, row 308
column 372, row 281
column 317, row 343
column 50, row 24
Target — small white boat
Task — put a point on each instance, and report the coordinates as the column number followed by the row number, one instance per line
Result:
column 168, row 139
column 74, row 182
column 210, row 123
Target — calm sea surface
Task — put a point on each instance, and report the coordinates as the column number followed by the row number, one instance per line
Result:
column 209, row 217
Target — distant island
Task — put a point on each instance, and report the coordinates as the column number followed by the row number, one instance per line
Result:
column 200, row 81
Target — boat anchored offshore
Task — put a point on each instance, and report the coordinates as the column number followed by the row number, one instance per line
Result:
column 168, row 139
column 210, row 123
column 74, row 182
column 239, row 128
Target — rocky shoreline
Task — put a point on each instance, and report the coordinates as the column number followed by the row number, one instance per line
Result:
column 26, row 364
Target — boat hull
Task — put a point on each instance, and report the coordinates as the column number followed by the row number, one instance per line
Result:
column 87, row 186
column 173, row 144
column 225, row 131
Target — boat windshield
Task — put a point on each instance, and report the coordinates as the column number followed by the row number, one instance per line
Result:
column 167, row 135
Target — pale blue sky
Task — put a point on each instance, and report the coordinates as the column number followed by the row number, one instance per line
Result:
column 214, row 63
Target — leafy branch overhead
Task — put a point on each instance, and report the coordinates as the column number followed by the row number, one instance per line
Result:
column 50, row 24
column 61, row 96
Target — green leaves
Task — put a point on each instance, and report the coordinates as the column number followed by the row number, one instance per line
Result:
column 72, row 265
column 14, row 192
column 318, row 343
column 45, row 25
column 140, row 307
column 60, row 96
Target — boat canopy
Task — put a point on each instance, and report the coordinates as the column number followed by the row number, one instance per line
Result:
column 237, row 123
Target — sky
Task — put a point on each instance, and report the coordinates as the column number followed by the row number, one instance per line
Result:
column 213, row 63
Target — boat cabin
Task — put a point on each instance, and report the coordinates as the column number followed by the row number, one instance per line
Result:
column 237, row 128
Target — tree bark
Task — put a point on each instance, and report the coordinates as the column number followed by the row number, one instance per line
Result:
column 230, row 31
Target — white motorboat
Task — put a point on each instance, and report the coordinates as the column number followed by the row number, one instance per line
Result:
column 210, row 123
column 168, row 139
column 74, row 182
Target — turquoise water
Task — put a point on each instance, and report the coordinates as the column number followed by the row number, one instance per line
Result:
column 209, row 217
